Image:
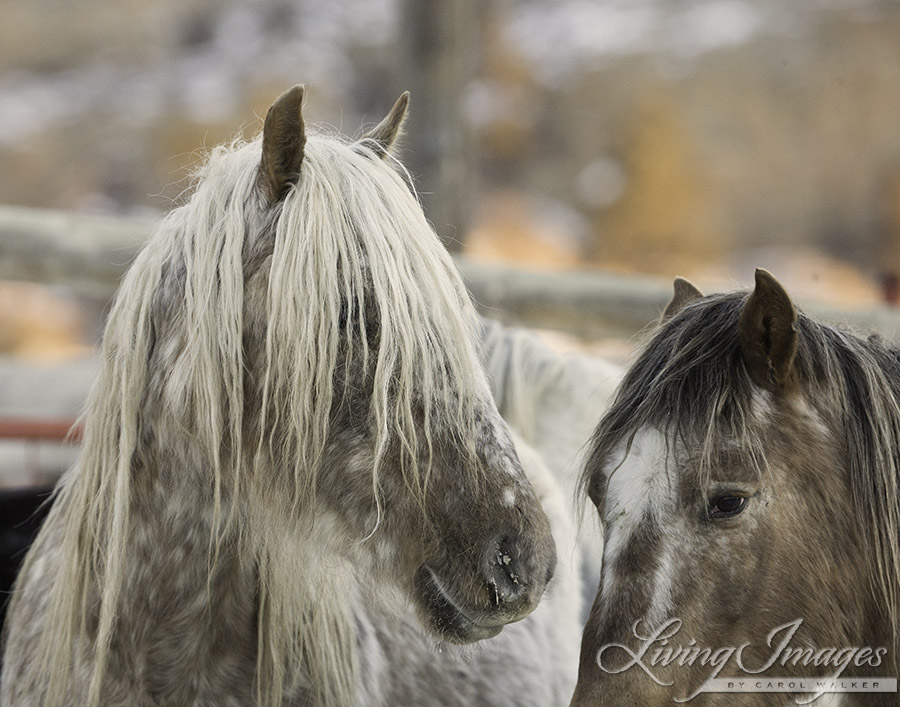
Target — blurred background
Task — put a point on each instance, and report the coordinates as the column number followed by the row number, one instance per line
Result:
column 632, row 139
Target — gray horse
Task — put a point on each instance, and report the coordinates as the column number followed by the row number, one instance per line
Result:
column 294, row 486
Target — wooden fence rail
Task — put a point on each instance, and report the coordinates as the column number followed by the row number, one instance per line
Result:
column 40, row 429
column 90, row 253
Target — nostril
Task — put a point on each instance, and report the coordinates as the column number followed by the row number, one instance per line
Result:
column 503, row 574
column 505, row 561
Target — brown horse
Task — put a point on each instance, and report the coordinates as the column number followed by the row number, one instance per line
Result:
column 746, row 476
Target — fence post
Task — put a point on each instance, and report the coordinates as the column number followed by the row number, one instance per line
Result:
column 439, row 46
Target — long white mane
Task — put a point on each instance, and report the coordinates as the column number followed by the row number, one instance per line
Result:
column 349, row 239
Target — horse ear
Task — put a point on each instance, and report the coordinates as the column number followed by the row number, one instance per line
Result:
column 385, row 134
column 284, row 139
column 767, row 333
column 685, row 293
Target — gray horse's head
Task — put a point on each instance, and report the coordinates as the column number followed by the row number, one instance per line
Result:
column 375, row 422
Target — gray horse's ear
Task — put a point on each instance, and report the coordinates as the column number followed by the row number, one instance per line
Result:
column 284, row 139
column 685, row 293
column 767, row 333
column 385, row 134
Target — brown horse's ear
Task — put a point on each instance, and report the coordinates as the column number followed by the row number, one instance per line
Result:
column 284, row 139
column 385, row 134
column 767, row 333
column 685, row 293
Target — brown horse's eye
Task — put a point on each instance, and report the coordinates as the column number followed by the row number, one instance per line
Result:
column 726, row 506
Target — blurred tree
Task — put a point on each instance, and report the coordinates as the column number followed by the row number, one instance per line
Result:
column 667, row 216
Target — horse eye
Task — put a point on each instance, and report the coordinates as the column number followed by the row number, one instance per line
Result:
column 726, row 506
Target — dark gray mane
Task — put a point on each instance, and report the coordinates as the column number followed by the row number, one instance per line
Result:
column 691, row 383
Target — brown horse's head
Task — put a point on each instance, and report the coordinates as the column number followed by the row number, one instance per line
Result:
column 746, row 479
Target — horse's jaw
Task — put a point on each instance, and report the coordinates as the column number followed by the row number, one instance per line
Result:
column 445, row 618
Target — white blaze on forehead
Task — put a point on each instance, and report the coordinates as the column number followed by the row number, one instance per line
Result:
column 638, row 483
column 635, row 487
